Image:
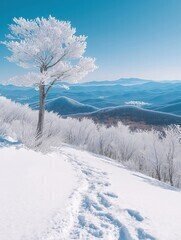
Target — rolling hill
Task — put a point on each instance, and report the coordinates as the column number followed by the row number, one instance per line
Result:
column 128, row 114
column 171, row 107
column 67, row 106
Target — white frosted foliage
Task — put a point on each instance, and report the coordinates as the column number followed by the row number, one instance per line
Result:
column 50, row 50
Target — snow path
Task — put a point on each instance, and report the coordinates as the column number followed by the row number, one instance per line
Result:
column 92, row 210
column 113, row 203
column 73, row 194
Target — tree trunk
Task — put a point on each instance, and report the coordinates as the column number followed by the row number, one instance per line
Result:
column 40, row 124
column 171, row 177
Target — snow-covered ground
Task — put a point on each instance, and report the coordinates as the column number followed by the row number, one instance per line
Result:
column 73, row 194
column 33, row 188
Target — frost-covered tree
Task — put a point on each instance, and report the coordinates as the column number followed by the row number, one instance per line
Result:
column 52, row 52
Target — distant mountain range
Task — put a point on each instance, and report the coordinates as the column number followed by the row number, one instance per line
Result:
column 121, row 81
column 149, row 96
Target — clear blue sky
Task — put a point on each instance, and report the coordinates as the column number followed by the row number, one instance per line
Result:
column 129, row 38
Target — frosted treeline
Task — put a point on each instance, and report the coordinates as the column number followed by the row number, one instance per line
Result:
column 157, row 154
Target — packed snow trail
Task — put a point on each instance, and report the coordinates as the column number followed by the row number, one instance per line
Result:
column 73, row 194
column 96, row 214
column 114, row 203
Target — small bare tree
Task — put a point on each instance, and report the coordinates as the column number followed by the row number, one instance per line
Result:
column 51, row 50
column 171, row 151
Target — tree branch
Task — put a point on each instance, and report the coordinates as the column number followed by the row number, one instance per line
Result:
column 57, row 61
column 50, row 86
column 53, row 82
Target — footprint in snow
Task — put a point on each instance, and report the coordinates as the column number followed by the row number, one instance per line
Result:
column 87, row 172
column 135, row 214
column 106, row 184
column 110, row 194
column 103, row 201
column 95, row 231
column 142, row 235
column 90, row 227
column 90, row 205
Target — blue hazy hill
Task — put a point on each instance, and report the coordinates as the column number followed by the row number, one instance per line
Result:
column 128, row 114
column 66, row 106
column 171, row 107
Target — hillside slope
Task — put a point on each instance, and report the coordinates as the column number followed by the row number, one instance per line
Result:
column 72, row 194
column 133, row 114
column 174, row 108
column 66, row 106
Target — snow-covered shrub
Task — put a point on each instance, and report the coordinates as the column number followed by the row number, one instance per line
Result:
column 157, row 154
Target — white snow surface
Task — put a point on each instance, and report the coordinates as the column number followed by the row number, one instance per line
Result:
column 73, row 194
column 33, row 188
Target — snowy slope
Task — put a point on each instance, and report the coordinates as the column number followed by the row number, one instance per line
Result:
column 72, row 194
column 33, row 187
